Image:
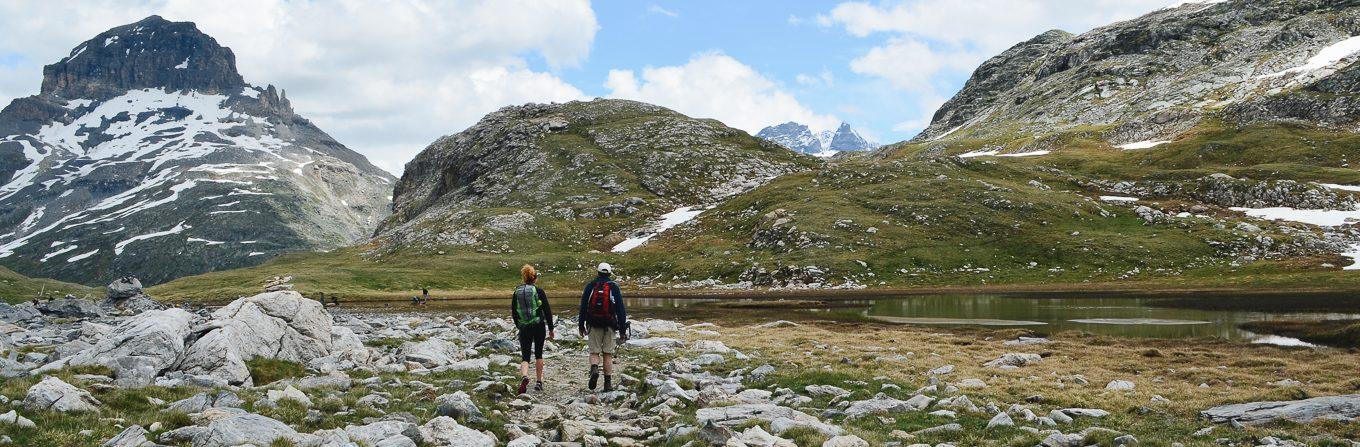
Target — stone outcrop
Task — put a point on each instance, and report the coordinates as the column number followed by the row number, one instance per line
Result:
column 142, row 347
column 281, row 325
column 1336, row 408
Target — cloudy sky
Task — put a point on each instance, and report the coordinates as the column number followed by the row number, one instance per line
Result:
column 388, row 77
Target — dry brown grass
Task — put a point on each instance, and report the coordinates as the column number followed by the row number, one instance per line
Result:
column 1192, row 374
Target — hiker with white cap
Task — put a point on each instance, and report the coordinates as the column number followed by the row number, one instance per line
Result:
column 602, row 320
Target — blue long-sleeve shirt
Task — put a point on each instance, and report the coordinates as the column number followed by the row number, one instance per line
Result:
column 615, row 303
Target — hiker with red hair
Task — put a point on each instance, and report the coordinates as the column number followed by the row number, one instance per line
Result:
column 529, row 308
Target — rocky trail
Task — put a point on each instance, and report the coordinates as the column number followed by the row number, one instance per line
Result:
column 276, row 369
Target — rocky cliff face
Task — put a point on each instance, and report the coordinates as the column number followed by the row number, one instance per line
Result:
column 1154, row 77
column 147, row 154
column 798, row 138
column 605, row 168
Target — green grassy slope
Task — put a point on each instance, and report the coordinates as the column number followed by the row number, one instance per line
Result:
column 15, row 288
column 903, row 218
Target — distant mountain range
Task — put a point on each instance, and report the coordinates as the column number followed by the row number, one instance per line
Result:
column 147, row 154
column 800, row 138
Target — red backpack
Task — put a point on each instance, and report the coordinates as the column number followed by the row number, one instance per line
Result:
column 599, row 308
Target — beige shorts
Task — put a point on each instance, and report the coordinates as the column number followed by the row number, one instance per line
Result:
column 601, row 340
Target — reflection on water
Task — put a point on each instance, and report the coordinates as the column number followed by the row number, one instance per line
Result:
column 1122, row 316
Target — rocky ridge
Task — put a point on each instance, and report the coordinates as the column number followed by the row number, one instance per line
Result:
column 603, row 166
column 146, row 145
column 1151, row 78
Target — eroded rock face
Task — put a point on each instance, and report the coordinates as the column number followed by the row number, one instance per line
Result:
column 142, row 347
column 1339, row 408
column 281, row 325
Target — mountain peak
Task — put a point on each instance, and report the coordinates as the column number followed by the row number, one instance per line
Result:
column 151, row 53
column 799, row 138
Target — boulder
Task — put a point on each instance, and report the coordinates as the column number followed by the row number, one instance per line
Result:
column 289, row 393
column 1339, row 408
column 882, row 404
column 740, row 414
column 383, row 433
column 133, row 436
column 19, row 312
column 444, row 431
column 201, row 402
column 1120, row 385
column 52, row 394
column 1001, row 420
column 281, row 325
column 141, row 348
column 13, row 418
column 459, row 406
column 845, row 441
column 431, row 353
column 124, row 288
column 245, row 428
column 1014, row 360
column 71, row 307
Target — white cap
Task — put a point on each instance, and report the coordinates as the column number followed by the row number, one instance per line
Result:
column 605, row 268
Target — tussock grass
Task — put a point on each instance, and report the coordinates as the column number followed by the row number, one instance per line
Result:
column 264, row 371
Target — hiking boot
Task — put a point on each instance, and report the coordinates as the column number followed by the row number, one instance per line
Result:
column 523, row 385
column 594, row 377
column 608, row 383
column 538, row 387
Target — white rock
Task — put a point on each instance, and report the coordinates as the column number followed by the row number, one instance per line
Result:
column 289, row 393
column 445, row 431
column 52, row 394
column 281, row 325
column 1120, row 385
column 140, row 348
column 845, row 441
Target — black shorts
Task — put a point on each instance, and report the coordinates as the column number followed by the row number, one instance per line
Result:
column 531, row 341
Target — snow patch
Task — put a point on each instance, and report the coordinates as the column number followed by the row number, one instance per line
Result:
column 980, row 153
column 82, row 255
column 1026, row 154
column 118, row 248
column 1321, row 218
column 1355, row 188
column 1118, row 199
column 1325, row 57
column 1142, row 145
column 668, row 221
column 204, row 241
column 948, row 132
column 183, row 65
column 58, row 252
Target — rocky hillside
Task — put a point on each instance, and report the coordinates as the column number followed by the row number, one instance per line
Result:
column 1149, row 80
column 581, row 176
column 798, row 138
column 146, row 153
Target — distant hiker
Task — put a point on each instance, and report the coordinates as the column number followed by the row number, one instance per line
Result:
column 602, row 318
column 424, row 295
column 529, row 308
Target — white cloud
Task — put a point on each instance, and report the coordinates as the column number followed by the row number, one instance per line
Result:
column 658, row 9
column 384, row 78
column 714, row 85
